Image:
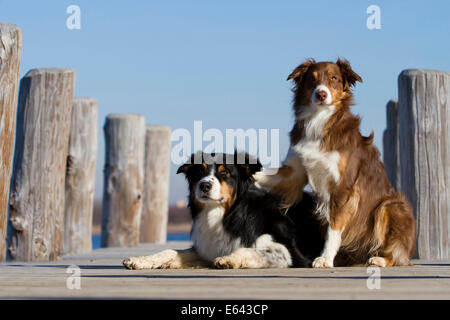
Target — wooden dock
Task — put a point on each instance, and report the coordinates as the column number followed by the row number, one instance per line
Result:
column 103, row 277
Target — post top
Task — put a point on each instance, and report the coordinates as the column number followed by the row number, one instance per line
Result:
column 8, row 27
column 416, row 72
column 393, row 101
column 113, row 116
column 40, row 71
column 152, row 127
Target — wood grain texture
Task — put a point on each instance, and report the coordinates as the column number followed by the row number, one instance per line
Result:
column 103, row 277
column 391, row 157
column 37, row 195
column 156, row 186
column 123, row 179
column 424, row 135
column 10, row 51
column 80, row 177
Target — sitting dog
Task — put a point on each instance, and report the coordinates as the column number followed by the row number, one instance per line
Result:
column 236, row 224
column 367, row 221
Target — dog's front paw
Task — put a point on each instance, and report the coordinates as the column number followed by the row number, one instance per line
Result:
column 133, row 263
column 226, row 262
column 150, row 262
column 321, row 262
column 261, row 179
column 377, row 261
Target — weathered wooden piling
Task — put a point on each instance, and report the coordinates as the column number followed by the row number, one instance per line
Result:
column 391, row 157
column 37, row 195
column 424, row 140
column 10, row 51
column 80, row 177
column 156, row 187
column 123, row 179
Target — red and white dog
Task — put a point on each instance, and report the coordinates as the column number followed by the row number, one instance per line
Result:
column 366, row 221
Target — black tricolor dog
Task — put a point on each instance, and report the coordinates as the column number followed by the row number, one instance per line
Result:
column 236, row 224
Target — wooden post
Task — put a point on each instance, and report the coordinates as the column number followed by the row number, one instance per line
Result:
column 424, row 136
column 80, row 177
column 391, row 157
column 10, row 50
column 37, row 195
column 123, row 179
column 156, row 187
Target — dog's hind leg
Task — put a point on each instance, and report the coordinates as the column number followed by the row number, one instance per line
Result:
column 265, row 254
column 394, row 233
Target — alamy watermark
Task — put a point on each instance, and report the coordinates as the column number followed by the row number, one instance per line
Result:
column 73, row 21
column 255, row 141
column 374, row 20
column 73, row 281
column 374, row 280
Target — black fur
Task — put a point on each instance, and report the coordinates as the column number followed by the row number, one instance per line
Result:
column 256, row 212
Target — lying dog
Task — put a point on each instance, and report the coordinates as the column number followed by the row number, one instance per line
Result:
column 236, row 224
column 367, row 220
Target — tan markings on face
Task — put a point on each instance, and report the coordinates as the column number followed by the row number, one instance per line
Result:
column 228, row 195
column 204, row 165
column 220, row 168
column 315, row 75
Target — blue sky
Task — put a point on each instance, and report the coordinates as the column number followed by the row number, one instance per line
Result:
column 226, row 62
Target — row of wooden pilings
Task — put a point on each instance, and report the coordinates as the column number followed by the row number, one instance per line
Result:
column 47, row 190
column 416, row 145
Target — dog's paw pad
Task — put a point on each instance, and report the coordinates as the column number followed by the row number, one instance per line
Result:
column 321, row 262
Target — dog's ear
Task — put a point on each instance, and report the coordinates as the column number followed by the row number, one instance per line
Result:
column 300, row 71
column 349, row 76
column 186, row 166
column 247, row 165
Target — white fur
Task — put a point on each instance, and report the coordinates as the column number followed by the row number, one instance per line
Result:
column 321, row 167
column 265, row 253
column 331, row 247
column 210, row 239
column 214, row 193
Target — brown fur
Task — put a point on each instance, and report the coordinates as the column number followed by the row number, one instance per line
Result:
column 375, row 220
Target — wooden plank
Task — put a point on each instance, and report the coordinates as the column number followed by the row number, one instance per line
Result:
column 80, row 176
column 156, row 189
column 10, row 51
column 37, row 195
column 424, row 135
column 102, row 276
column 123, row 179
column 391, row 157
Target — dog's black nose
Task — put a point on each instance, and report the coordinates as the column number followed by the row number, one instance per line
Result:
column 205, row 186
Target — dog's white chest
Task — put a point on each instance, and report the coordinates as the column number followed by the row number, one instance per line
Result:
column 210, row 239
column 321, row 167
